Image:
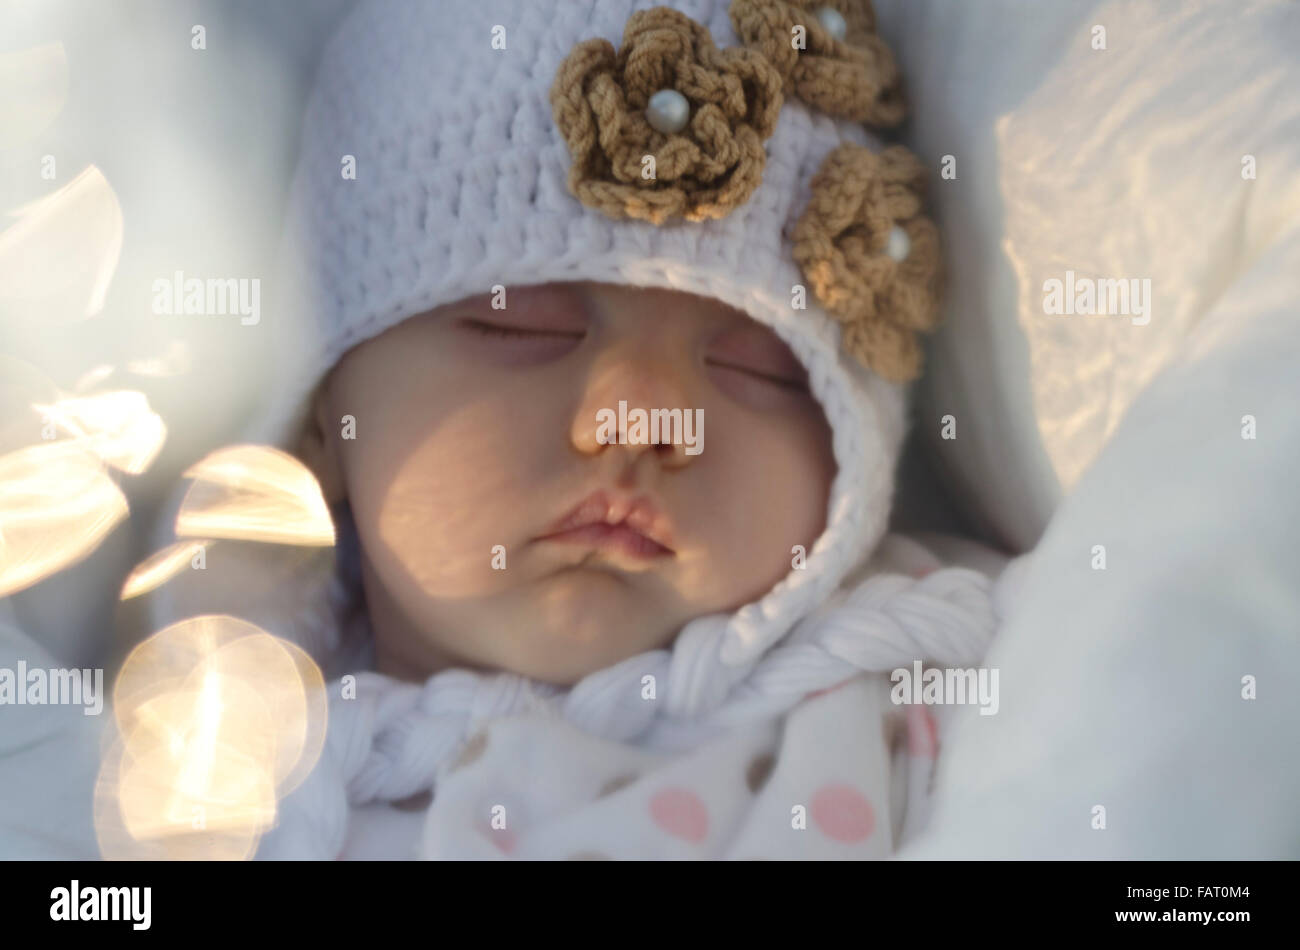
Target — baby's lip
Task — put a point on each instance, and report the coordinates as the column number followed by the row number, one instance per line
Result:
column 633, row 524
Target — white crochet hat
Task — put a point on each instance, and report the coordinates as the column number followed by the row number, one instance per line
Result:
column 462, row 183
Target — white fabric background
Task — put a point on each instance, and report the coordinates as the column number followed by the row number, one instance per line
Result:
column 1116, row 163
column 1121, row 687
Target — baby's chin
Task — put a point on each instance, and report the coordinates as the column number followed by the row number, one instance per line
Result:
column 583, row 620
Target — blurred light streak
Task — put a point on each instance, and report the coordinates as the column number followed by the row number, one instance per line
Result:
column 119, row 427
column 57, row 261
column 57, row 504
column 162, row 566
column 255, row 493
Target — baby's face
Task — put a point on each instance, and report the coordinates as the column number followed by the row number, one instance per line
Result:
column 504, row 527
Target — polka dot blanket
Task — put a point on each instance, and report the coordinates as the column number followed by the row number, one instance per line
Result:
column 843, row 775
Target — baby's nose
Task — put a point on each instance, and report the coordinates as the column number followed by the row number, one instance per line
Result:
column 629, row 398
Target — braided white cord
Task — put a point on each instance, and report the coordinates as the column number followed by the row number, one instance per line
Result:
column 394, row 738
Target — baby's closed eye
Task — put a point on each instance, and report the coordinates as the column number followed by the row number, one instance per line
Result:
column 515, row 342
column 759, row 354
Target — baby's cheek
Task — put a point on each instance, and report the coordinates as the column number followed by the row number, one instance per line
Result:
column 769, row 495
column 447, row 512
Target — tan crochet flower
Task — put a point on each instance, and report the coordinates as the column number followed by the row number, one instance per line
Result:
column 851, row 78
column 599, row 98
column 841, row 240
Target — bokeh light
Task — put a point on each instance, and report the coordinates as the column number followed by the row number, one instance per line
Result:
column 215, row 722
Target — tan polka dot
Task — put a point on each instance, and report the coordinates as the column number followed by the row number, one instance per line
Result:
column 759, row 771
column 614, row 784
column 589, row 856
column 420, row 801
column 472, row 752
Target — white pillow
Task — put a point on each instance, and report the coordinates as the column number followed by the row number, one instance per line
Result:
column 1164, row 689
column 1148, row 703
column 1122, row 162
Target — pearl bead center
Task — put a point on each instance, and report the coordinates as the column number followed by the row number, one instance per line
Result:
column 832, row 22
column 899, row 245
column 668, row 111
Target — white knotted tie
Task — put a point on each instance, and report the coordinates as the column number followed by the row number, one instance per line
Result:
column 393, row 740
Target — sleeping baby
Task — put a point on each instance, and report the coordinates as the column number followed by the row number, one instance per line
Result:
column 518, row 234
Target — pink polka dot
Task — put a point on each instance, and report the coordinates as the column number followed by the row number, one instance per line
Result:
column 503, row 838
column 923, row 572
column 680, row 812
column 922, row 734
column 842, row 813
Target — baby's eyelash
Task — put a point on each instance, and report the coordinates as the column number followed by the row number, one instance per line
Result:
column 792, row 384
column 497, row 330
